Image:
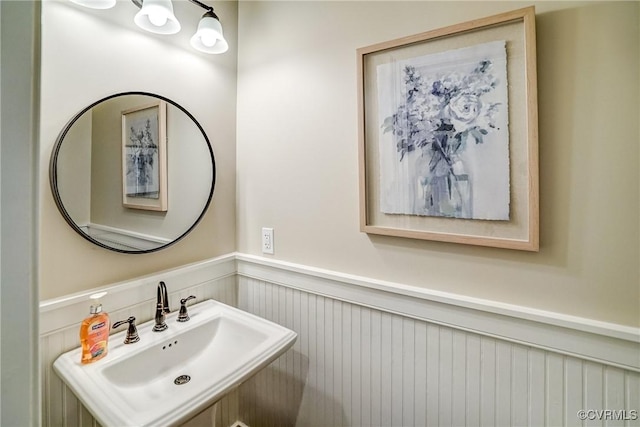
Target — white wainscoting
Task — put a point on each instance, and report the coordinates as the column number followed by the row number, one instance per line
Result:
column 368, row 356
column 371, row 353
column 612, row 344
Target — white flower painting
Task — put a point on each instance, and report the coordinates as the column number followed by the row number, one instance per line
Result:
column 444, row 140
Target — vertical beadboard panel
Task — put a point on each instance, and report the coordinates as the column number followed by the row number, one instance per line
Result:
column 346, row 383
column 335, row 355
column 55, row 346
column 632, row 398
column 385, row 372
column 445, row 378
column 71, row 405
column 60, row 407
column 314, row 391
column 458, row 379
column 433, row 375
column 614, row 383
column 503, row 383
column 377, row 384
column 397, row 350
column 420, row 373
column 365, row 364
column 356, row 368
column 488, row 378
column 472, row 412
column 519, row 386
column 537, row 382
column 573, row 398
column 321, row 406
column 554, row 390
column 592, row 376
column 408, row 371
column 367, row 367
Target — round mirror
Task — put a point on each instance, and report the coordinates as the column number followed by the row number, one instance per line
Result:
column 133, row 172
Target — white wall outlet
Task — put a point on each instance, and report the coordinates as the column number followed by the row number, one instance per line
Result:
column 267, row 240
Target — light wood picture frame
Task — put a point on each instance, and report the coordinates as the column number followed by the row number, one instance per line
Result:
column 448, row 134
column 144, row 157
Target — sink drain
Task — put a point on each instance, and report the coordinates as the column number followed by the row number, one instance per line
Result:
column 182, row 379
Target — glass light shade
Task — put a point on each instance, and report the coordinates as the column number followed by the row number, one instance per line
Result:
column 96, row 4
column 156, row 16
column 208, row 38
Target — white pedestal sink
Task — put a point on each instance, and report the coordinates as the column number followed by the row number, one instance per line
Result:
column 170, row 376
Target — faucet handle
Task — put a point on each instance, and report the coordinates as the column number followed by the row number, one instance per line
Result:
column 183, row 316
column 132, row 332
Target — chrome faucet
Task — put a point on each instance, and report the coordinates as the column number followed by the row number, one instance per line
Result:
column 132, row 331
column 162, row 308
column 183, row 316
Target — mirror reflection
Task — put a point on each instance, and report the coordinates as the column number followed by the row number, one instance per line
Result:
column 133, row 172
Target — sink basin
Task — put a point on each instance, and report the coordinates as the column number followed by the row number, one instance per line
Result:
column 168, row 377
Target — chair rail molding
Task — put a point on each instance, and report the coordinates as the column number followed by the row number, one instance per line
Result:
column 608, row 343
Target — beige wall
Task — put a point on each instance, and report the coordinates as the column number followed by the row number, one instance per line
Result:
column 87, row 55
column 297, row 153
column 297, row 146
column 74, row 171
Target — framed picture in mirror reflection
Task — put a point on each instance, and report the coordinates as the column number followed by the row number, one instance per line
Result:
column 144, row 157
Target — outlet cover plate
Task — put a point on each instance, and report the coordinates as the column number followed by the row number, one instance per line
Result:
column 267, row 240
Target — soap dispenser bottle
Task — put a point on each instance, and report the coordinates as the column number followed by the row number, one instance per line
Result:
column 94, row 331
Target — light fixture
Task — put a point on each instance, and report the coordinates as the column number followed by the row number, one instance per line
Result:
column 208, row 38
column 157, row 16
column 96, row 4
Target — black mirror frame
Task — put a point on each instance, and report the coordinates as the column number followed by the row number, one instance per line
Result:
column 53, row 174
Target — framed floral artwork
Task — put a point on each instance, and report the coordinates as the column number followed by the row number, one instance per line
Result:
column 144, row 157
column 448, row 134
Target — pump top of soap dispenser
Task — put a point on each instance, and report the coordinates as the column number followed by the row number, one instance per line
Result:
column 96, row 306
